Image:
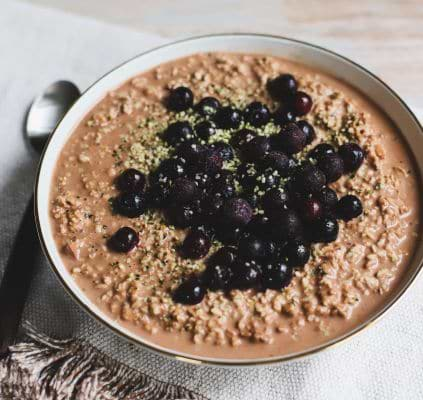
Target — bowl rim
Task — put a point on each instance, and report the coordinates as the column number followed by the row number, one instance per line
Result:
column 200, row 360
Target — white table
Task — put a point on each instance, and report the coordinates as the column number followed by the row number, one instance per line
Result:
column 386, row 35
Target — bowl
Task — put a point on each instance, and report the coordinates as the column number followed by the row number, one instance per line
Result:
column 314, row 56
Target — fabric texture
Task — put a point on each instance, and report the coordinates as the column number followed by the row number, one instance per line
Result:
column 40, row 367
column 40, row 46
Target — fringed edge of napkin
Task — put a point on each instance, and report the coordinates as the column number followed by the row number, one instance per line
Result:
column 45, row 368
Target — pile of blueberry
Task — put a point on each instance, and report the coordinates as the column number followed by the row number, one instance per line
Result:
column 266, row 214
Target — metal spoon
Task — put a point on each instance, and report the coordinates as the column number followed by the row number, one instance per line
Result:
column 47, row 110
column 45, row 113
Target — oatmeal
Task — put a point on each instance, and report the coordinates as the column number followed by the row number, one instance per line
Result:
column 336, row 283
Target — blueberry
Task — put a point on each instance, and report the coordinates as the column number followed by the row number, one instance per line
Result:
column 272, row 250
column 325, row 230
column 327, row 198
column 310, row 210
column 237, row 211
column 196, row 244
column 183, row 191
column 209, row 162
column 277, row 161
column 257, row 114
column 353, row 156
column 225, row 256
column 131, row 180
column 255, row 149
column 211, row 206
column 295, row 198
column 178, row 132
column 158, row 194
column 254, row 248
column 169, row 169
column 218, row 273
column 224, row 150
column 130, row 204
column 297, row 253
column 246, row 274
column 292, row 165
column 321, row 150
column 349, row 207
column 332, row 166
column 282, row 87
column 247, row 175
column 182, row 216
column 308, row 179
column 276, row 275
column 274, row 200
column 283, row 115
column 228, row 118
column 268, row 179
column 225, row 175
column 226, row 190
column 189, row 292
column 291, row 139
column 301, row 103
column 180, row 99
column 252, row 197
column 242, row 136
column 228, row 234
column 207, row 106
column 259, row 226
column 308, row 130
column 286, row 225
column 190, row 150
column 202, row 180
column 207, row 229
column 223, row 184
column 123, row 240
column 205, row 129
column 217, row 277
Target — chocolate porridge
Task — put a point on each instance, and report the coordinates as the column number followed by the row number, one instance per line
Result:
column 337, row 245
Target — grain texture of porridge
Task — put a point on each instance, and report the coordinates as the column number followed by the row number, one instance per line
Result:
column 343, row 282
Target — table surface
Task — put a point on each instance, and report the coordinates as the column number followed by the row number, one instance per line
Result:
column 386, row 36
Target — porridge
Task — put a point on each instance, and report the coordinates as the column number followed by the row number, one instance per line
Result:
column 236, row 206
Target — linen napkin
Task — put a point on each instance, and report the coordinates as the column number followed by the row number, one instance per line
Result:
column 41, row 367
column 40, row 46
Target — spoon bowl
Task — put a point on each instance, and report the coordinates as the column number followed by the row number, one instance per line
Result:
column 47, row 110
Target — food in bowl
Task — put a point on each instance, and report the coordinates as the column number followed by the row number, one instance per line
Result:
column 236, row 206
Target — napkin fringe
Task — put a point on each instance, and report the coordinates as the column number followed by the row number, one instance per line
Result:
column 52, row 369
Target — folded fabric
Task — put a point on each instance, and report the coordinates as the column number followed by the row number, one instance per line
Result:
column 41, row 367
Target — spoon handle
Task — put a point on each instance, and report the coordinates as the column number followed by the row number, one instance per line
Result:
column 17, row 278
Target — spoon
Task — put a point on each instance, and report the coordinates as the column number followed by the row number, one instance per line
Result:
column 44, row 114
column 47, row 110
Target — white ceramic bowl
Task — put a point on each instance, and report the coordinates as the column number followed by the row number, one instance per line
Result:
column 307, row 54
